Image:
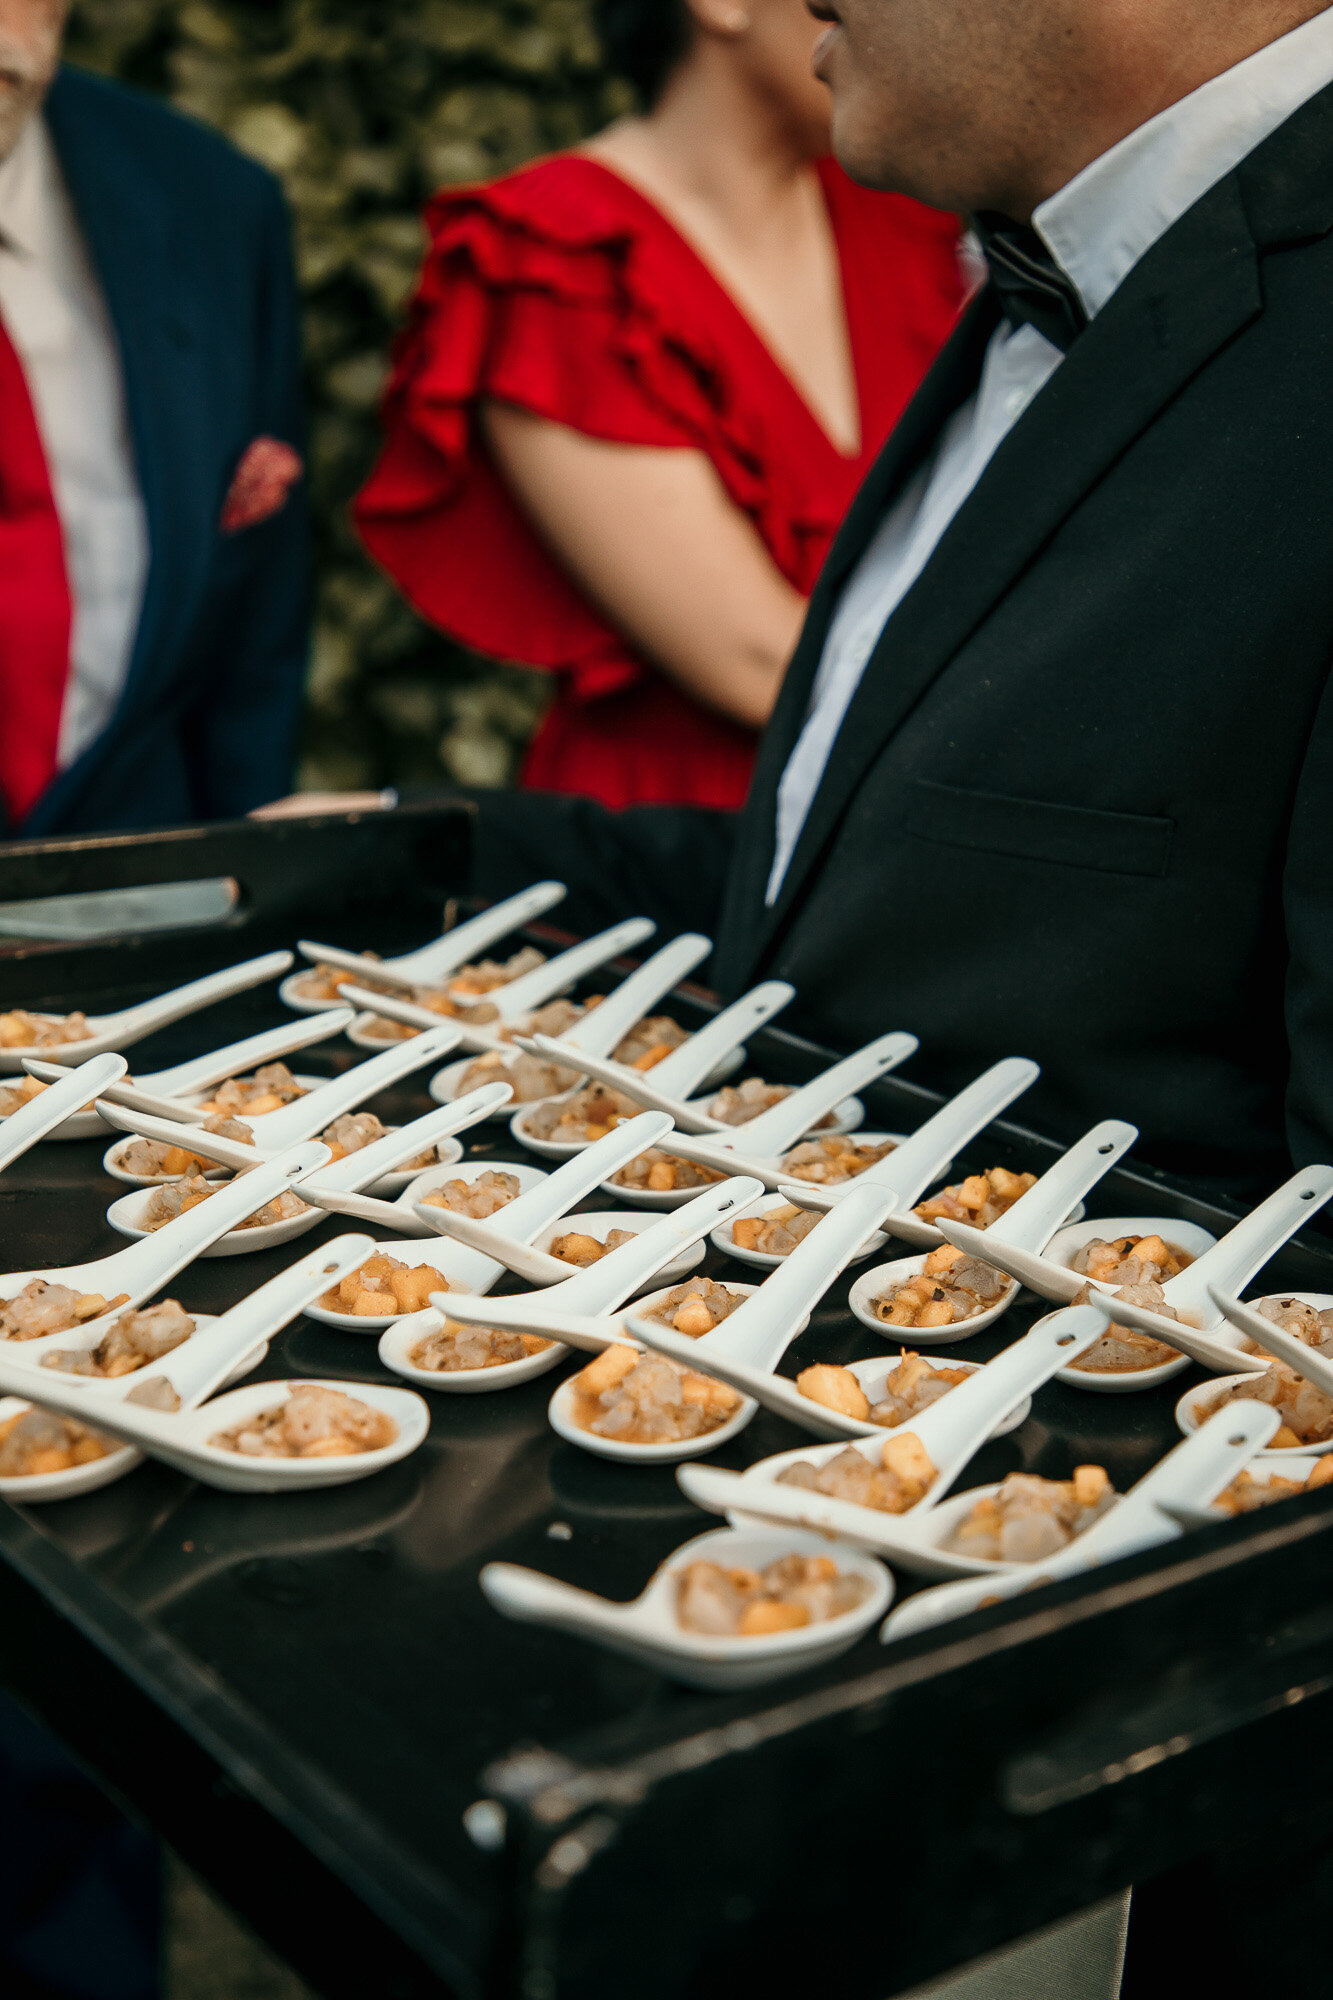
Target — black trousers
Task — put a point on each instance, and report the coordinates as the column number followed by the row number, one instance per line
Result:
column 79, row 1885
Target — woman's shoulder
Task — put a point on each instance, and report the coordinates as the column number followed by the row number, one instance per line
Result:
column 565, row 199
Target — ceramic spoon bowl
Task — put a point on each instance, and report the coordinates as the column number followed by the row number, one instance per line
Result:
column 1029, row 1223
column 950, row 1430
column 367, row 1168
column 432, row 963
column 514, row 1002
column 648, row 1630
column 190, row 1083
column 304, row 1117
column 713, row 1052
column 916, row 1162
column 44, row 1116
column 144, row 1267
column 1237, row 1336
column 1193, row 1474
column 598, row 1223
column 603, row 1027
column 1316, row 1368
column 218, row 1352
column 120, row 1030
column 562, row 1312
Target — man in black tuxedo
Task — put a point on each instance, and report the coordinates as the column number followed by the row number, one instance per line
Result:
column 1051, row 768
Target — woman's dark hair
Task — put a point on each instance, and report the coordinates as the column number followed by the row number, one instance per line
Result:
column 643, row 40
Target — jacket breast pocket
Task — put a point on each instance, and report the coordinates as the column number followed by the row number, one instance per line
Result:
column 1117, row 843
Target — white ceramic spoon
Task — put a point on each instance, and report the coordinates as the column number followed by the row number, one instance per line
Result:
column 951, row 1431
column 541, row 1201
column 128, row 1025
column 1030, row 1224
column 376, row 1164
column 304, row 1116
column 183, row 1438
column 587, row 1297
column 411, row 1216
column 144, row 1267
column 429, row 965
column 1202, row 1466
column 217, row 1352
column 1314, row 1367
column 41, row 1116
column 648, row 1630
column 914, row 1164
column 747, row 1346
column 604, row 1026
column 159, row 1090
column 522, row 996
column 1229, row 1265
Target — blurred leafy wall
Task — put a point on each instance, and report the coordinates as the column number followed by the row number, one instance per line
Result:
column 362, row 108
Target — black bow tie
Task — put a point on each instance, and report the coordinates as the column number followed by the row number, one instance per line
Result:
column 1033, row 290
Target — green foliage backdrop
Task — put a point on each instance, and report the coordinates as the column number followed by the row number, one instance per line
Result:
column 362, row 108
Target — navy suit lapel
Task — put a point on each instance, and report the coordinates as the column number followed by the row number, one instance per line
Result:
column 951, row 380
column 126, row 220
column 1191, row 294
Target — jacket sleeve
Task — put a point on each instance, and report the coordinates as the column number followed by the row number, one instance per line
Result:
column 1308, row 907
column 664, row 862
column 241, row 730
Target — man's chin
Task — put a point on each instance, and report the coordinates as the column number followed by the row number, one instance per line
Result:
column 17, row 105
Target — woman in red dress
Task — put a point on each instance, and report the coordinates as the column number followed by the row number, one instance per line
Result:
column 640, row 383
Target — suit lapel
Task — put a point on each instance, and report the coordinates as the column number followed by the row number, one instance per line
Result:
column 126, row 220
column 952, row 379
column 1189, row 296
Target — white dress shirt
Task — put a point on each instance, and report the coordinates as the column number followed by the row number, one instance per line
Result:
column 54, row 312
column 1097, row 227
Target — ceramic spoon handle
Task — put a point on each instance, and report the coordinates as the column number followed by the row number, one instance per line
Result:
column 318, row 1108
column 456, row 947
column 922, row 1158
column 1203, row 1464
column 602, row 1027
column 133, row 1095
column 127, row 1423
column 770, row 1135
column 761, row 1499
column 208, row 1357
column 956, row 1427
column 1233, row 1261
column 43, row 1113
column 174, row 1006
column 529, row 1213
column 760, row 1331
column 271, row 1046
column 520, row 1258
column 1307, row 1361
column 534, row 1599
column 689, row 1066
column 171, row 1132
column 386, row 1215
column 644, row 1087
column 1040, row 1274
column 610, row 1281
column 1036, row 1215
column 362, row 1169
column 145, row 1265
column 546, row 981
column 605, row 1285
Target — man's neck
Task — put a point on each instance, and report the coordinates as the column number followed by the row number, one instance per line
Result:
column 1106, row 97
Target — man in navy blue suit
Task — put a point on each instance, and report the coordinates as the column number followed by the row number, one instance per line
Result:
column 154, row 563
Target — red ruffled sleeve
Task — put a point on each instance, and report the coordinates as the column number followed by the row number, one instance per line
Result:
column 536, row 291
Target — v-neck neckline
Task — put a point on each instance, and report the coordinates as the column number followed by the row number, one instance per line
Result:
column 732, row 305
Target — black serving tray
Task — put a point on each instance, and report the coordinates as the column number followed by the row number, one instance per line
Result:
column 409, row 1796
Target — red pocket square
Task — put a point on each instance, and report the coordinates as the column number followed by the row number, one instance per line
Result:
column 265, row 476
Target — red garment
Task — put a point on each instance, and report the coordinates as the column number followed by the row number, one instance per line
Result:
column 35, row 608
column 564, row 290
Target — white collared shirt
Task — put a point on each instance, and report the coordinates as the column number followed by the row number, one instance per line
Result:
column 55, row 314
column 1097, row 227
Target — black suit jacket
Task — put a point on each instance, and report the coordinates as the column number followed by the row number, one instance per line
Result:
column 192, row 247
column 1081, row 806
